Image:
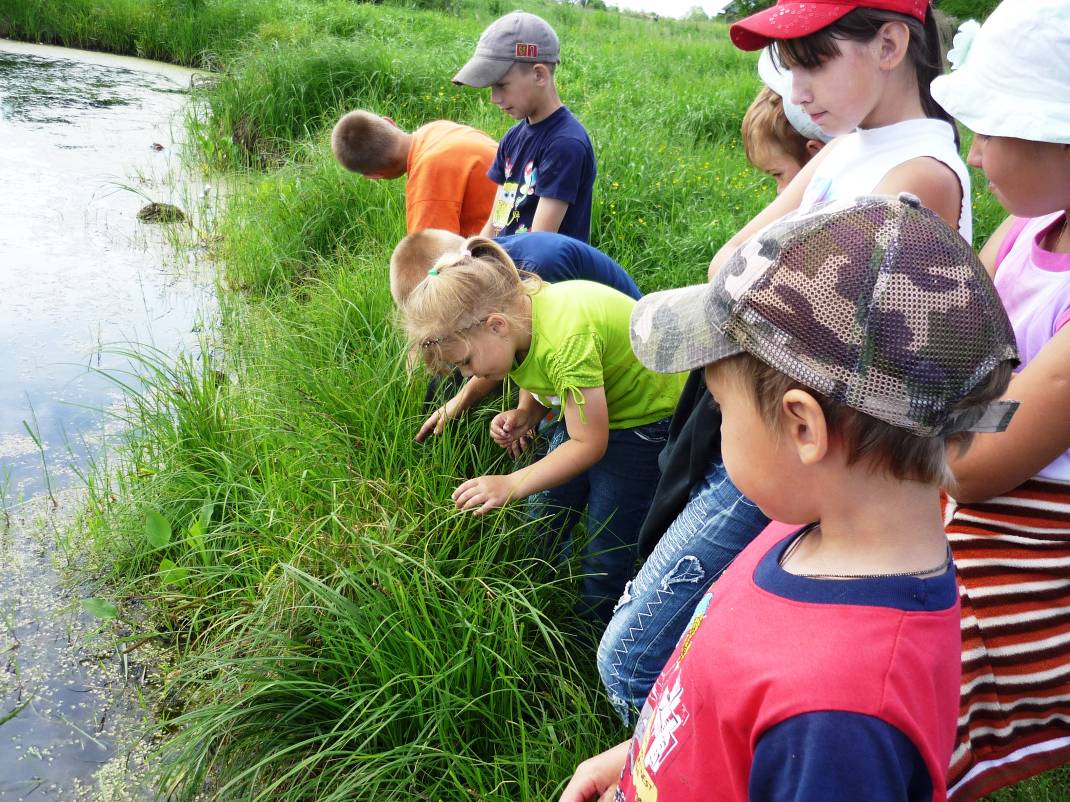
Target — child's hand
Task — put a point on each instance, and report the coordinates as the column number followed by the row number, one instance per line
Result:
column 511, row 430
column 596, row 777
column 436, row 421
column 485, row 493
column 434, row 424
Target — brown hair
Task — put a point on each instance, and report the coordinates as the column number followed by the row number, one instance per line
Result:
column 528, row 66
column 925, row 49
column 461, row 290
column 765, row 125
column 413, row 257
column 885, row 447
column 365, row 143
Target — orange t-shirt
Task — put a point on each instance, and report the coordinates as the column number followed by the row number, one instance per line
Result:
column 448, row 185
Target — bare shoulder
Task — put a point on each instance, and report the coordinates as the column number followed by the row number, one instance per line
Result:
column 935, row 184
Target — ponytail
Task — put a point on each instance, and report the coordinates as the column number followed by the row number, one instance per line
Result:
column 461, row 290
column 928, row 65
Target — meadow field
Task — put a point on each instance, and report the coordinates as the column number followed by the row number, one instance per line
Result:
column 338, row 631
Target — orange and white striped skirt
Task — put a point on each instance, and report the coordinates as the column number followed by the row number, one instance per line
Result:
column 1012, row 554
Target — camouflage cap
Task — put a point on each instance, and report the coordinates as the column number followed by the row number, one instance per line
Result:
column 873, row 302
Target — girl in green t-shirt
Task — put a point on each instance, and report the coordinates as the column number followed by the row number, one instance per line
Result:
column 566, row 345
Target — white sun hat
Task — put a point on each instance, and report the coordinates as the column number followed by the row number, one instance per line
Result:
column 1012, row 76
column 778, row 78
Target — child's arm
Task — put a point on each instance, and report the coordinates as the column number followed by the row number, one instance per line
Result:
column 596, row 777
column 473, row 391
column 838, row 755
column 549, row 214
column 488, row 228
column 932, row 182
column 787, row 201
column 586, row 444
column 1038, row 433
column 988, row 253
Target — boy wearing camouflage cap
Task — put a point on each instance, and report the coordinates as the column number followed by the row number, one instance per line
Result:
column 847, row 347
column 545, row 166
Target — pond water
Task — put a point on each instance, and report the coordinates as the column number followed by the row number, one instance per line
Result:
column 88, row 140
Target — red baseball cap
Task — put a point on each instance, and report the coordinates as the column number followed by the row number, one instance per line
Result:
column 792, row 19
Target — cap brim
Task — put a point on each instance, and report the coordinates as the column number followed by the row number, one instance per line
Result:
column 481, row 71
column 981, row 104
column 677, row 330
column 784, row 21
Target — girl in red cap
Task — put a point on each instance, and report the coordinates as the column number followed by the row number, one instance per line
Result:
column 861, row 69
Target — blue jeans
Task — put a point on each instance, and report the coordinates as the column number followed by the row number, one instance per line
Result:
column 657, row 605
column 616, row 491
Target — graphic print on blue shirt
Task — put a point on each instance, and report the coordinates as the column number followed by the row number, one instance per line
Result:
column 552, row 158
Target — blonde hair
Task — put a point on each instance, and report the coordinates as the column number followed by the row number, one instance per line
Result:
column 365, row 143
column 899, row 452
column 415, row 255
column 461, row 290
column 766, row 125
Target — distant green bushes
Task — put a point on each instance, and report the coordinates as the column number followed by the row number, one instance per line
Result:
column 967, row 9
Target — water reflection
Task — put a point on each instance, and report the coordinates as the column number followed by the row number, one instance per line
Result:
column 78, row 273
column 85, row 146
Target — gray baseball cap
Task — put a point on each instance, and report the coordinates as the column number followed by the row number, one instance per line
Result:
column 874, row 302
column 518, row 36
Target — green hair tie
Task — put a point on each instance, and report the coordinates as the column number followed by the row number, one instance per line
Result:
column 432, row 272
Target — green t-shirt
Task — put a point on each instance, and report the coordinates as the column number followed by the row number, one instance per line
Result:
column 579, row 340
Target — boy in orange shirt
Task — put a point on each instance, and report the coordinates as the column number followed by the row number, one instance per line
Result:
column 446, row 163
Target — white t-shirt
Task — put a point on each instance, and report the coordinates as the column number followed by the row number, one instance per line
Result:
column 859, row 160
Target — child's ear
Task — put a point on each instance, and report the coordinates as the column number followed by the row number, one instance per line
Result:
column 542, row 74
column 497, row 325
column 813, row 146
column 893, row 40
column 803, row 424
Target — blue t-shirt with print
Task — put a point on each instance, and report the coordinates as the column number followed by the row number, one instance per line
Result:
column 552, row 158
column 555, row 257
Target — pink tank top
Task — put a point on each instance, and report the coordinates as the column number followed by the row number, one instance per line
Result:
column 1034, row 285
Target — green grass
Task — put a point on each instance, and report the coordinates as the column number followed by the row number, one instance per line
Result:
column 340, row 632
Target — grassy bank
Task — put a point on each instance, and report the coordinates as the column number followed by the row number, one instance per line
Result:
column 341, row 632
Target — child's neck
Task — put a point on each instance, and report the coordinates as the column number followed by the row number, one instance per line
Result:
column 547, row 106
column 403, row 151
column 521, row 335
column 899, row 102
column 872, row 524
column 1058, row 239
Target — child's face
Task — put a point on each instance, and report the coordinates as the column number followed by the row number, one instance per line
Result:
column 1028, row 178
column 754, row 455
column 486, row 354
column 775, row 162
column 517, row 92
column 840, row 94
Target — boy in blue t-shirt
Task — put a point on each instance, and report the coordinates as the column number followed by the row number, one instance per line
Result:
column 553, row 257
column 545, row 165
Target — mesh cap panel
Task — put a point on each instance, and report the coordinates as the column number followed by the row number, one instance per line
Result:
column 875, row 303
